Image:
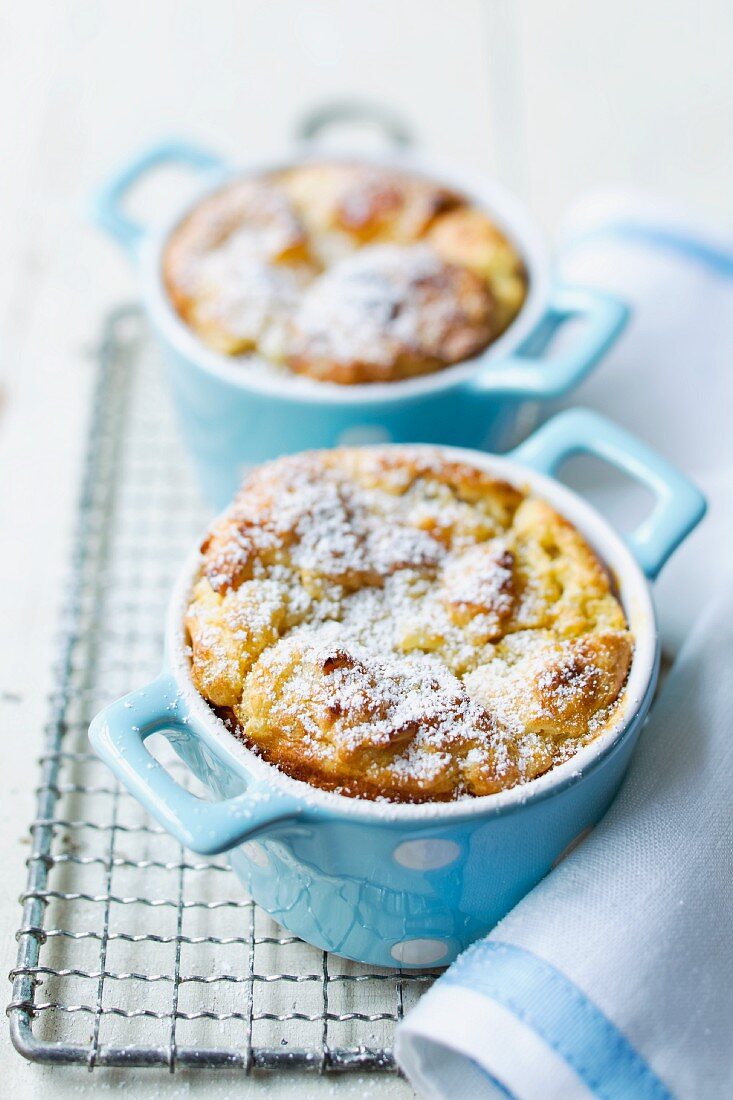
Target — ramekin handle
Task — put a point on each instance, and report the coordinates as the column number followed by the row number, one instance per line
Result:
column 109, row 210
column 531, row 373
column 314, row 122
column 118, row 736
column 679, row 504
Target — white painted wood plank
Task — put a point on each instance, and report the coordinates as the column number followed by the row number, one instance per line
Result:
column 638, row 93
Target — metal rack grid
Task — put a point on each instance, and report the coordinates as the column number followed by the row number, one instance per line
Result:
column 132, row 952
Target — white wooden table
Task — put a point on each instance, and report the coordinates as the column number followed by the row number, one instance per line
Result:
column 551, row 98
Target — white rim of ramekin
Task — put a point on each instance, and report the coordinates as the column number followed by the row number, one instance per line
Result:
column 509, row 214
column 635, row 594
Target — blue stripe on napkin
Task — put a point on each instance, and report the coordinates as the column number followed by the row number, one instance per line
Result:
column 717, row 259
column 545, row 1000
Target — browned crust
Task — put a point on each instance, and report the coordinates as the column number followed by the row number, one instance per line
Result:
column 391, row 623
column 287, row 225
column 417, row 319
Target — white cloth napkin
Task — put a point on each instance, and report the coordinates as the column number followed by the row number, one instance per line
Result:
column 614, row 977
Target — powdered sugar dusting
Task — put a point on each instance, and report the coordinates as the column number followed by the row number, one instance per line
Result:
column 362, row 620
column 330, row 271
column 368, row 307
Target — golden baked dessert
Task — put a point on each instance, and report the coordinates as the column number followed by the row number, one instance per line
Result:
column 393, row 624
column 345, row 272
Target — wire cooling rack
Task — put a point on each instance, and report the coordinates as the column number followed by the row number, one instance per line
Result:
column 131, row 951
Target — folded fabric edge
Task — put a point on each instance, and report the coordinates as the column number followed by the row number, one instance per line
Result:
column 601, row 211
column 457, row 1043
column 614, row 216
column 581, row 1051
column 667, row 239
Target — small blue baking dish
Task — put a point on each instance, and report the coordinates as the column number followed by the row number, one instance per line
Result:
column 232, row 417
column 405, row 884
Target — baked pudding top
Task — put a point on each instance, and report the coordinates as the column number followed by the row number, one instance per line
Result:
column 392, row 624
column 343, row 271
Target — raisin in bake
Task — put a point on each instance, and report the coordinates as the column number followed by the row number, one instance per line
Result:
column 391, row 623
column 344, row 272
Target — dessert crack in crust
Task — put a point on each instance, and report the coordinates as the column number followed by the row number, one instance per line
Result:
column 344, row 272
column 393, row 624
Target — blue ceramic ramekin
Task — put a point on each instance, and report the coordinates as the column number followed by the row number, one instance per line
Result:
column 406, row 884
column 232, row 416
